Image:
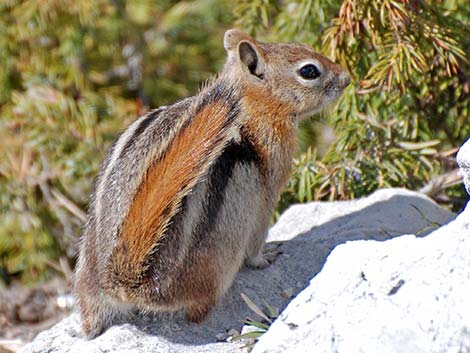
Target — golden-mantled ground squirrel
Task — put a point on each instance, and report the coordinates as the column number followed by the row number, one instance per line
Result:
column 186, row 193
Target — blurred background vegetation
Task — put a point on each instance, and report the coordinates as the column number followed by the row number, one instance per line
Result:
column 76, row 73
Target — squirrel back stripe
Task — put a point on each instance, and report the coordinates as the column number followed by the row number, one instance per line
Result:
column 168, row 180
column 143, row 125
column 110, row 161
column 122, row 146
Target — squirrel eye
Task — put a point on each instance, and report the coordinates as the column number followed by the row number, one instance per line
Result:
column 309, row 72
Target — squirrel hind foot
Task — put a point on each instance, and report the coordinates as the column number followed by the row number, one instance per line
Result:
column 98, row 314
column 92, row 330
column 93, row 324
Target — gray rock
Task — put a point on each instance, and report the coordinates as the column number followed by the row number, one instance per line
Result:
column 463, row 159
column 305, row 234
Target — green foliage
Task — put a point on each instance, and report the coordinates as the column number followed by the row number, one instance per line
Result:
column 75, row 73
column 410, row 98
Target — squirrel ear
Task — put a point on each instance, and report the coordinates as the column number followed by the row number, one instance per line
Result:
column 241, row 46
column 232, row 37
column 250, row 57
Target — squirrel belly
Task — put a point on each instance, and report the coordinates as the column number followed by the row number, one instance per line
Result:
column 186, row 193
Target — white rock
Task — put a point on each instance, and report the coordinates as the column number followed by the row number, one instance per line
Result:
column 405, row 295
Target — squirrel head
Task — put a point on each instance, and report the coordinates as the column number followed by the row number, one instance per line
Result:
column 292, row 76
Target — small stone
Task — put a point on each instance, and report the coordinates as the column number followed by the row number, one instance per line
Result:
column 221, row 337
column 287, row 293
column 233, row 332
column 65, row 301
